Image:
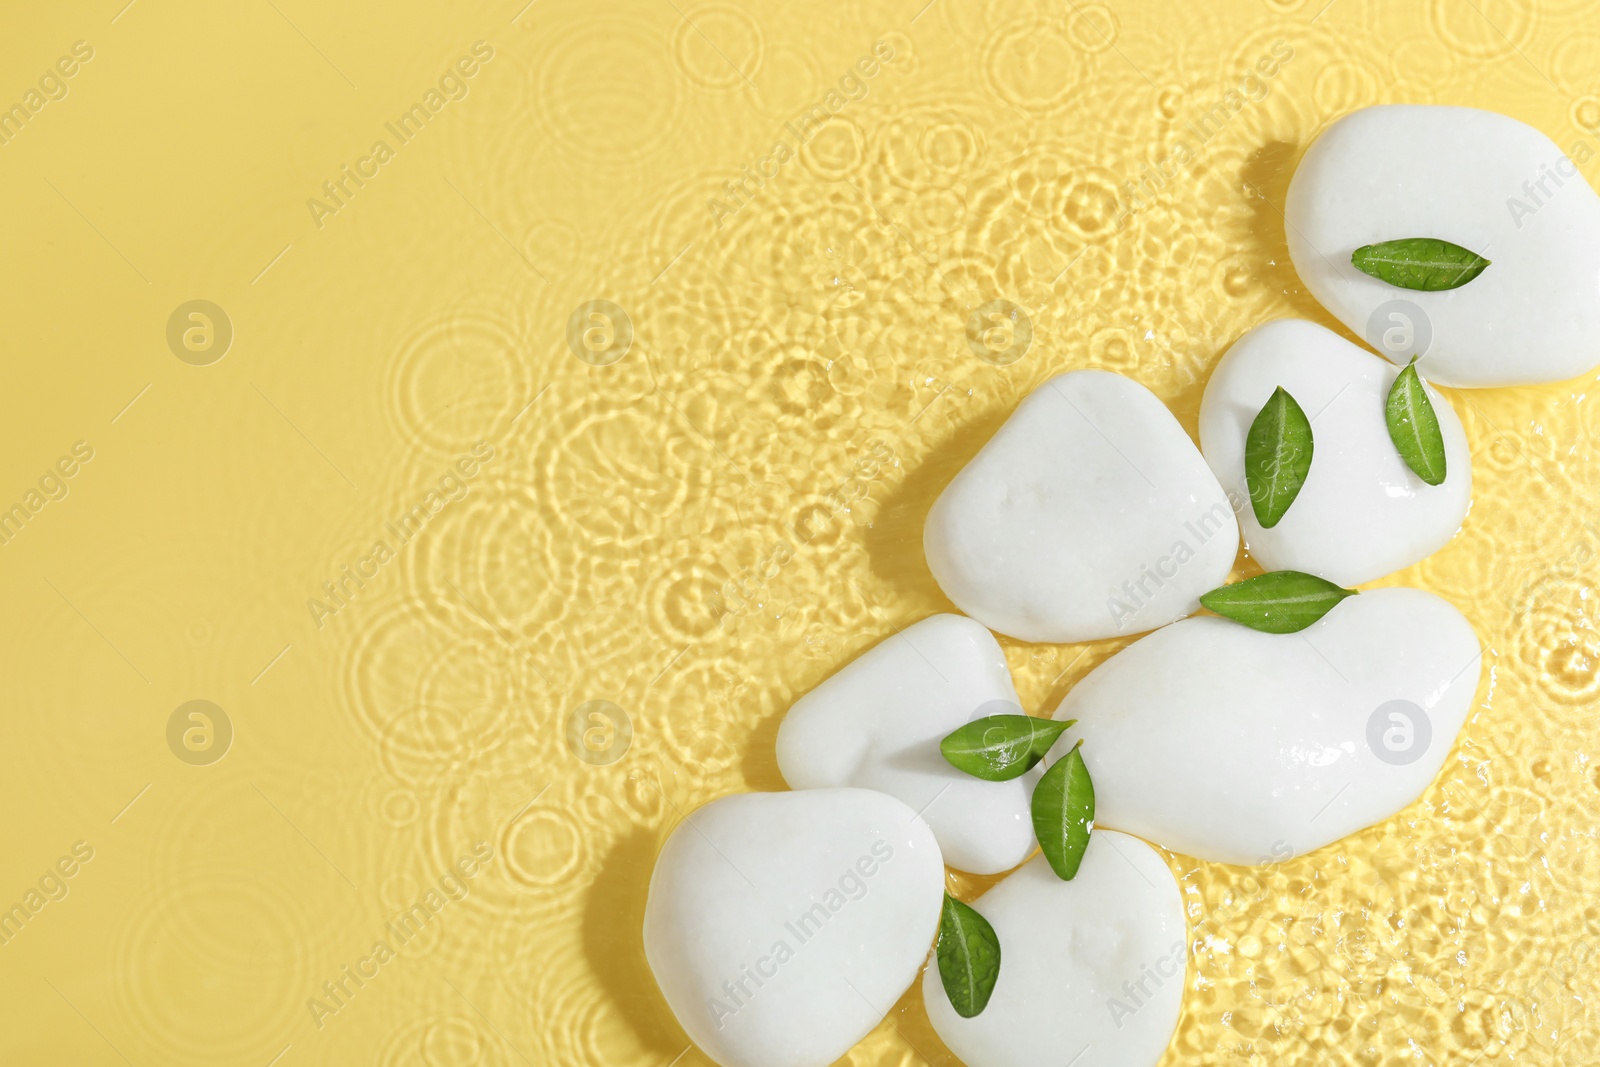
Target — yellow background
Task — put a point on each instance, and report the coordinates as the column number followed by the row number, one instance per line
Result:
column 601, row 553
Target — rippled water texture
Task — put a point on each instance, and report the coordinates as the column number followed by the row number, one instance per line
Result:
column 609, row 406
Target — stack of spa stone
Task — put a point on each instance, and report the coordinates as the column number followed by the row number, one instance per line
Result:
column 783, row 927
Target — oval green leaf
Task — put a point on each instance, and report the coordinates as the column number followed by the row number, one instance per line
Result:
column 1279, row 602
column 1277, row 457
column 969, row 957
column 1413, row 426
column 998, row 748
column 1063, row 813
column 1423, row 263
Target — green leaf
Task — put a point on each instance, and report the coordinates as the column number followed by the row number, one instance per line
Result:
column 1277, row 457
column 1063, row 813
column 969, row 957
column 1424, row 263
column 1413, row 427
column 998, row 748
column 1279, row 602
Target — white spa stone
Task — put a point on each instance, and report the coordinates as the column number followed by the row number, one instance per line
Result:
column 1089, row 514
column 1480, row 180
column 878, row 722
column 1227, row 744
column 1092, row 968
column 1361, row 513
column 782, row 927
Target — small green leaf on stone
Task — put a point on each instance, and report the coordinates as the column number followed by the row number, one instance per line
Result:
column 1279, row 602
column 998, row 748
column 1421, row 263
column 1413, row 426
column 1277, row 457
column 1063, row 813
column 969, row 957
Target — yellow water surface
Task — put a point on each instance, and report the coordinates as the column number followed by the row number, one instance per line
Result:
column 440, row 440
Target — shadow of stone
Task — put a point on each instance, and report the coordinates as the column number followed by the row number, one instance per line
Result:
column 759, row 764
column 894, row 540
column 1264, row 240
column 909, row 1017
column 613, row 943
